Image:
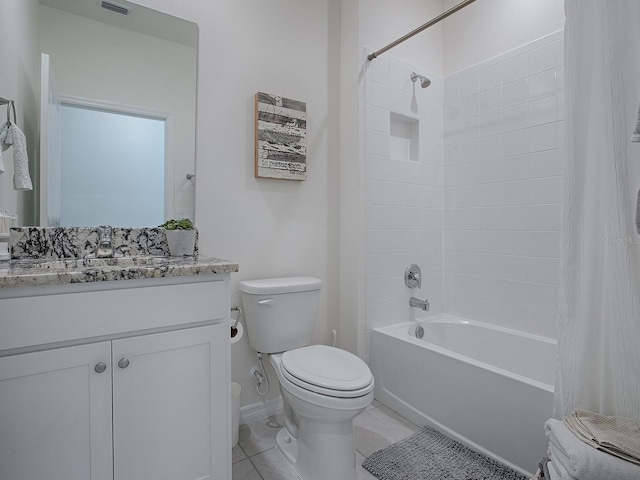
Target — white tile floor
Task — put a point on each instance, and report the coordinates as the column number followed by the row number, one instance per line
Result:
column 257, row 458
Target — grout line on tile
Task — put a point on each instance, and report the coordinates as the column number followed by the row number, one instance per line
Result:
column 254, row 465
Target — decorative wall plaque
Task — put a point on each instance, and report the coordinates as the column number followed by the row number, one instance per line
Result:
column 281, row 131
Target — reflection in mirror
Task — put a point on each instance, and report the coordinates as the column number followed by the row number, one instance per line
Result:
column 133, row 165
column 139, row 65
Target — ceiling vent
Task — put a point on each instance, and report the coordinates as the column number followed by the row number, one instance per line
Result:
column 115, row 8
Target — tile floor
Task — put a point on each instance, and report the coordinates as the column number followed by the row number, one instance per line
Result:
column 257, row 458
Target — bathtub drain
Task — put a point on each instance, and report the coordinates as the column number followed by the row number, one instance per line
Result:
column 419, row 331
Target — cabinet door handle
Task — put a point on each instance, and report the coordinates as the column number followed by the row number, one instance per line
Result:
column 123, row 363
column 100, row 367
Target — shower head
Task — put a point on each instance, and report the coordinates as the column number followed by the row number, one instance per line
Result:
column 424, row 81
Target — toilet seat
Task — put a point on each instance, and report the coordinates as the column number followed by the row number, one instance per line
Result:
column 327, row 371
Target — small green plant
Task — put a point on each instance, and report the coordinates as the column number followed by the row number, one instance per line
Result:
column 182, row 224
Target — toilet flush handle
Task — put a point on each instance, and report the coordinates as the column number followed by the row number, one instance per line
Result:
column 267, row 302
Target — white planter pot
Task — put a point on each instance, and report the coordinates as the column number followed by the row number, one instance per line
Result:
column 181, row 242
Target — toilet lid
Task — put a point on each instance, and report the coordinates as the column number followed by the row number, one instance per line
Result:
column 327, row 370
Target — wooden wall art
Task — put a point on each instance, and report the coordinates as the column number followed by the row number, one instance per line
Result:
column 281, row 131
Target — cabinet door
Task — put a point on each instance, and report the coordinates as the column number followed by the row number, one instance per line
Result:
column 171, row 405
column 55, row 414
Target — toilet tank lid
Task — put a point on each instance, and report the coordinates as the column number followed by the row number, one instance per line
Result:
column 272, row 286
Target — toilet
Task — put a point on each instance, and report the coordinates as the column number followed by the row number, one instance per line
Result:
column 323, row 388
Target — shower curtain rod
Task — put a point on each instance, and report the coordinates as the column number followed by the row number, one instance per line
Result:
column 431, row 22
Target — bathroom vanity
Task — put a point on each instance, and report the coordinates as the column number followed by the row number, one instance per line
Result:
column 115, row 369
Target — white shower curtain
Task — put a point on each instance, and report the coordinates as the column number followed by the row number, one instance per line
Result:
column 599, row 325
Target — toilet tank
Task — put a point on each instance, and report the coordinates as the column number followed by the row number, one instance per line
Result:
column 280, row 312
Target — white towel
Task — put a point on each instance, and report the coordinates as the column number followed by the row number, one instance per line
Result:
column 638, row 213
column 3, row 134
column 582, row 461
column 635, row 137
column 12, row 136
column 559, row 461
column 615, row 435
column 555, row 474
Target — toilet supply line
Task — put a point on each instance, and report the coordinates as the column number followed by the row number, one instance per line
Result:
column 260, row 376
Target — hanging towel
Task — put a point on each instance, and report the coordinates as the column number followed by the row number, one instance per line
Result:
column 636, row 133
column 12, row 136
column 638, row 213
column 3, row 134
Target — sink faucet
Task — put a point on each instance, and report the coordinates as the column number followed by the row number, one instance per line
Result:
column 421, row 304
column 105, row 242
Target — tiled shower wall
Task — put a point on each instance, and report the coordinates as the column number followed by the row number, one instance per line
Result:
column 464, row 179
column 403, row 191
column 503, row 150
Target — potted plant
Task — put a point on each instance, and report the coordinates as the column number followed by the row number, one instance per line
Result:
column 181, row 236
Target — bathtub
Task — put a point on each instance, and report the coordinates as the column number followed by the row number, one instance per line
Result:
column 488, row 387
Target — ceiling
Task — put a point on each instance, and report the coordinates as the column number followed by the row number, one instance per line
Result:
column 140, row 19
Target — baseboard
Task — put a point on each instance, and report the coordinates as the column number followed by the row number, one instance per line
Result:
column 260, row 411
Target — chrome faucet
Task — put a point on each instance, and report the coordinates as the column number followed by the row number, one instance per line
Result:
column 105, row 242
column 421, row 304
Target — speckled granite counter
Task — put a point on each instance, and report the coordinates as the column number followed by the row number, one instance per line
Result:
column 55, row 256
column 26, row 273
column 57, row 243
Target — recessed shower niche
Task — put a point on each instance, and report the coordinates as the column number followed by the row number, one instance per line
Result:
column 404, row 138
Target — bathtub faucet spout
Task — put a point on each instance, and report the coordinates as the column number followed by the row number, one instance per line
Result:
column 421, row 304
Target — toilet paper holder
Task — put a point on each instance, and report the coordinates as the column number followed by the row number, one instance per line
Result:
column 234, row 321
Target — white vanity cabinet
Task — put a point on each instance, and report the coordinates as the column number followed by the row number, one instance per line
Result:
column 162, row 404
column 55, row 414
column 119, row 380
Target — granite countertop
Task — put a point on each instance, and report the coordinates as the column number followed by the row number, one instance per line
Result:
column 62, row 255
column 36, row 272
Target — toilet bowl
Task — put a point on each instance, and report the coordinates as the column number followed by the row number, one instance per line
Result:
column 321, row 445
column 323, row 388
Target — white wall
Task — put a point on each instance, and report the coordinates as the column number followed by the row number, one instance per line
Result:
column 403, row 191
column 101, row 62
column 503, row 152
column 503, row 133
column 270, row 227
column 371, row 25
column 19, row 72
column 487, row 28
column 382, row 22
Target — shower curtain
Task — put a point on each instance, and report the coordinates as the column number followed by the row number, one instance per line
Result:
column 599, row 325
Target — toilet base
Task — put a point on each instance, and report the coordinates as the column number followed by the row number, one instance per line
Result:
column 288, row 447
column 322, row 451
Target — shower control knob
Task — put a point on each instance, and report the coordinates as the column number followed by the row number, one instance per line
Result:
column 413, row 276
column 100, row 367
column 123, row 363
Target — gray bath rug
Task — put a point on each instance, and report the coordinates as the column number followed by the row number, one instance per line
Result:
column 430, row 455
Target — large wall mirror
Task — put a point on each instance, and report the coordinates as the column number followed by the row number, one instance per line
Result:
column 118, row 107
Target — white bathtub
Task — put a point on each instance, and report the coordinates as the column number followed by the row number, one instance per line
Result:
column 485, row 386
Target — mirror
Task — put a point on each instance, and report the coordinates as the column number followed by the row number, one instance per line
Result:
column 132, row 70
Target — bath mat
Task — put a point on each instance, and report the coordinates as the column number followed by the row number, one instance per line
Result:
column 430, row 455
